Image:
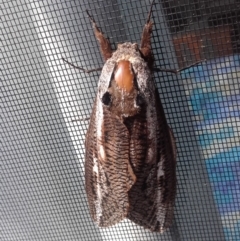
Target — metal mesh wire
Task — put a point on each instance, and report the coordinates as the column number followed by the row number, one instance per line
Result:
column 42, row 186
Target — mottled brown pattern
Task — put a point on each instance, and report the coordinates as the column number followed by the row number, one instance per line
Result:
column 130, row 167
column 144, row 206
column 116, row 178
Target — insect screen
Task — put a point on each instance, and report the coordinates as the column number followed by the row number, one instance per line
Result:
column 46, row 105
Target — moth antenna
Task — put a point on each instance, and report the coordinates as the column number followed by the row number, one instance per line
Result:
column 105, row 46
column 145, row 46
column 150, row 12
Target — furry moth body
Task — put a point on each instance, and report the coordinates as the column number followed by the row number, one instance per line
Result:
column 130, row 157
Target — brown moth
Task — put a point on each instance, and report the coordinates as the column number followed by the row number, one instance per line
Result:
column 130, row 159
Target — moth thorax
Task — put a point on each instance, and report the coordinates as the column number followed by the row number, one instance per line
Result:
column 124, row 76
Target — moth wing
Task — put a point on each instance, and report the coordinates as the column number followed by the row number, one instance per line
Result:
column 152, row 196
column 108, row 173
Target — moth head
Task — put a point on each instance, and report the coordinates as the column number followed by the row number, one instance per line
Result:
column 128, row 45
column 123, row 97
column 133, row 52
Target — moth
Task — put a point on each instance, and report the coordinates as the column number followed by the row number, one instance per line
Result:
column 130, row 151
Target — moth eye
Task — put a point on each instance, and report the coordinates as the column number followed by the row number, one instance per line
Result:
column 106, row 99
column 140, row 100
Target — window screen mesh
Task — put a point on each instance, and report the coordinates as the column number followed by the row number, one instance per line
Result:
column 42, row 187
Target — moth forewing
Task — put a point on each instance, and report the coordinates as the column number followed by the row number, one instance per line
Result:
column 104, row 169
column 130, row 155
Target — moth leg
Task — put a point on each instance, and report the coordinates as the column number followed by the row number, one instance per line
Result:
column 176, row 71
column 77, row 67
column 105, row 46
column 145, row 46
column 81, row 119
